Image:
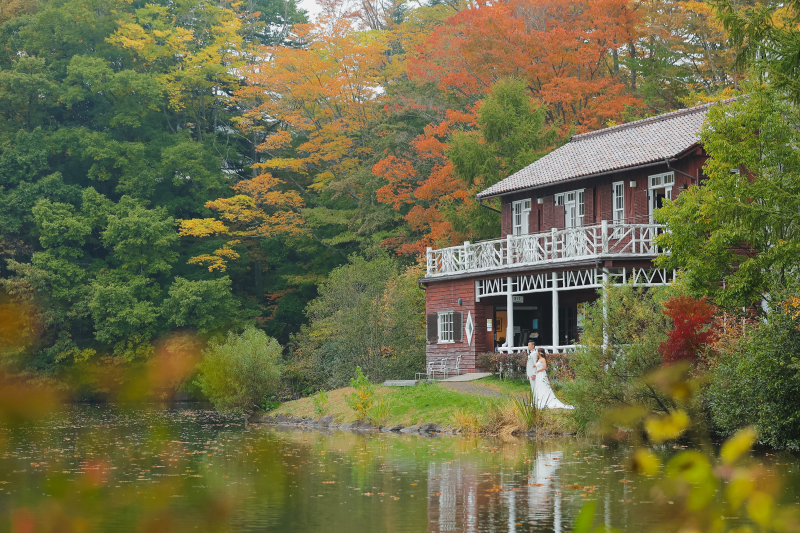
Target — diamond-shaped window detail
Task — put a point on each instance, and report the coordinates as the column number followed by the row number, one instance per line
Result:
column 469, row 328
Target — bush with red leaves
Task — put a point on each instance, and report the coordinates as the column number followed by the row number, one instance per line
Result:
column 690, row 331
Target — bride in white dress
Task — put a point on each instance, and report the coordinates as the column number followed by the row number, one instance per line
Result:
column 536, row 369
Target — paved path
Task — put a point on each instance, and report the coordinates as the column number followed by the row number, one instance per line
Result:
column 471, row 388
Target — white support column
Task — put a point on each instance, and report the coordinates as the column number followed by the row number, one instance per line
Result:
column 509, row 315
column 429, row 260
column 555, row 309
column 605, row 309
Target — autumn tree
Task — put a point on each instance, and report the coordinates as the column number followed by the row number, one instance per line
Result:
column 194, row 48
column 561, row 49
column 436, row 184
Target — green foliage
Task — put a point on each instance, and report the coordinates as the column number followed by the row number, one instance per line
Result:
column 512, row 134
column 204, row 305
column 758, row 383
column 766, row 35
column 320, row 400
column 736, row 237
column 239, row 373
column 611, row 373
column 367, row 315
column 361, row 400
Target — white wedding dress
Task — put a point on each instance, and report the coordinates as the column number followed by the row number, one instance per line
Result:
column 543, row 396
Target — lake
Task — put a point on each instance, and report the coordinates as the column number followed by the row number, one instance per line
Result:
column 182, row 468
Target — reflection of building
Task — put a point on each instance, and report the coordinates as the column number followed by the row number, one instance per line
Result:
column 544, row 495
column 462, row 499
column 576, row 218
column 454, row 489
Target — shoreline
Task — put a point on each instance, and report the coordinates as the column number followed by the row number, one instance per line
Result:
column 430, row 429
column 428, row 408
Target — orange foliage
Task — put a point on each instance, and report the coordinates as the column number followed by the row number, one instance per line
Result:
column 560, row 48
column 326, row 93
column 427, row 194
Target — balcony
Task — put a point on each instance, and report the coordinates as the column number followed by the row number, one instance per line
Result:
column 601, row 242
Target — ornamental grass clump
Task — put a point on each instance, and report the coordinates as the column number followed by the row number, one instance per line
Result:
column 240, row 372
column 466, row 421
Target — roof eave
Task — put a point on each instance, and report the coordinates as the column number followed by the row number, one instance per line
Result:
column 680, row 155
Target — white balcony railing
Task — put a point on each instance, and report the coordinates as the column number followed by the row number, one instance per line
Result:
column 549, row 350
column 588, row 242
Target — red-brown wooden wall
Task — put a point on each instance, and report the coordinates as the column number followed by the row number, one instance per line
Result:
column 598, row 196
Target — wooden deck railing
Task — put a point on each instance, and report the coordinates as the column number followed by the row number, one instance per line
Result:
column 589, row 242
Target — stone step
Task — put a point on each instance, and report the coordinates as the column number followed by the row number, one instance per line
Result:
column 400, row 383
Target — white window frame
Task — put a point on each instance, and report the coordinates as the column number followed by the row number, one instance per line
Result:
column 573, row 202
column 445, row 328
column 520, row 211
column 666, row 181
column 618, row 202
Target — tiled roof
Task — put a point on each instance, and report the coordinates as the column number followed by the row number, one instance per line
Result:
column 628, row 145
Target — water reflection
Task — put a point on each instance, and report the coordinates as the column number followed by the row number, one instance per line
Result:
column 102, row 468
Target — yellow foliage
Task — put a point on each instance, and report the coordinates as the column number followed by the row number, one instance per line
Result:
column 201, row 227
column 760, row 507
column 740, row 443
column 669, row 427
column 646, row 462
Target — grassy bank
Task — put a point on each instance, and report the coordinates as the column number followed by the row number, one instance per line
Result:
column 431, row 402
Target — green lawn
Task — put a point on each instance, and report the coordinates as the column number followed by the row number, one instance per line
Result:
column 407, row 405
column 428, row 402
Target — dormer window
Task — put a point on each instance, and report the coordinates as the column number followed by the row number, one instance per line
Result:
column 520, row 211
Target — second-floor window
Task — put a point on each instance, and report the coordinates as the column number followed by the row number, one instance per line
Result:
column 573, row 207
column 520, row 211
column 618, row 202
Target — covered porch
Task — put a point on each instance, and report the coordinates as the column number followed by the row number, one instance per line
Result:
column 549, row 306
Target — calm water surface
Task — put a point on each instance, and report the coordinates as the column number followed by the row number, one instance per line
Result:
column 110, row 468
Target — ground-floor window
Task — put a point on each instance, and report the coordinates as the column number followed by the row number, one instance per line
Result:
column 446, row 326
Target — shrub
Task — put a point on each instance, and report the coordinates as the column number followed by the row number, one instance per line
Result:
column 559, row 368
column 611, row 377
column 369, row 313
column 505, row 364
column 361, row 400
column 239, row 373
column 320, row 401
column 487, row 361
column 759, row 383
column 690, row 328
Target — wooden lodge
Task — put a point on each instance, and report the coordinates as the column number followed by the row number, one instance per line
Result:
column 576, row 218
